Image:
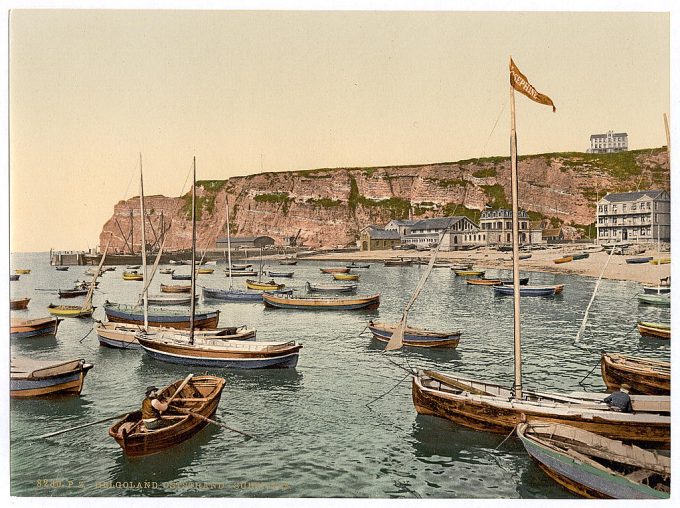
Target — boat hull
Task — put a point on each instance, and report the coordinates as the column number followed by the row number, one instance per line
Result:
column 617, row 370
column 63, row 383
column 71, row 311
column 525, row 290
column 370, row 302
column 34, row 328
column 414, row 339
column 494, row 414
column 658, row 300
column 175, row 289
column 205, row 320
column 654, row 330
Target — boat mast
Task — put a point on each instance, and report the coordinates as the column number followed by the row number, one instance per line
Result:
column 515, row 246
column 193, row 257
column 144, row 271
column 231, row 283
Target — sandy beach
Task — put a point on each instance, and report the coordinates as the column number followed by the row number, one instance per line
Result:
column 540, row 261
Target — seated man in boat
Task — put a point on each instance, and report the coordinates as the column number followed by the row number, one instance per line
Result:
column 620, row 401
column 152, row 409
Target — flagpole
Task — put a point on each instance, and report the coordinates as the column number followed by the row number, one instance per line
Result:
column 515, row 246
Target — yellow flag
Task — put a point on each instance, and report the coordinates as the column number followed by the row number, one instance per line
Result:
column 520, row 83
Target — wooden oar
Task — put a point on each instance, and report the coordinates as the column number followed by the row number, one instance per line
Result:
column 184, row 383
column 82, row 426
column 204, row 418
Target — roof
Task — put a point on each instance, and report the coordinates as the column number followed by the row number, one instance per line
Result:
column 631, row 196
column 438, row 222
column 380, row 234
column 237, row 239
column 618, row 134
column 550, row 232
column 403, row 222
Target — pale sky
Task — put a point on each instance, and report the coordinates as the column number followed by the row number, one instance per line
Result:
column 246, row 91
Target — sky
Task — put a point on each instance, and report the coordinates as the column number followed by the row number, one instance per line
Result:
column 251, row 91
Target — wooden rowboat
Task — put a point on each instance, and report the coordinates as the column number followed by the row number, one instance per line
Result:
column 205, row 271
column 167, row 271
column 659, row 330
column 170, row 318
column 526, row 290
column 354, row 265
column 579, row 255
column 176, row 276
column 170, row 299
column 331, row 288
column 315, row 303
column 264, row 286
column 655, row 290
column 61, row 268
column 644, row 376
column 563, row 259
column 70, row 311
column 469, row 273
column 656, row 299
column 483, row 282
column 661, row 261
column 19, row 304
column 132, row 276
column 637, row 261
column 23, row 271
column 25, row 328
column 34, row 378
column 196, row 400
column 281, row 274
column 593, row 466
column 345, row 276
column 289, row 262
column 492, row 408
column 417, row 337
column 72, row 293
column 179, row 288
column 334, row 270
column 397, row 262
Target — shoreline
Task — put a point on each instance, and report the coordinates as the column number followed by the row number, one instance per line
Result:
column 540, row 261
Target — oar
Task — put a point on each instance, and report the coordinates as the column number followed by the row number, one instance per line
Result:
column 184, row 383
column 201, row 417
column 82, row 426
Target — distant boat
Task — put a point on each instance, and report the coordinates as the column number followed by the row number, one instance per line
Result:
column 653, row 299
column 179, row 288
column 170, row 299
column 13, row 277
column 35, row 378
column 636, row 261
column 579, row 255
column 133, row 267
column 594, row 466
column 205, row 271
column 354, row 265
column 525, row 290
column 461, row 266
column 347, row 287
column 659, row 330
column 176, row 276
column 22, row 271
column 469, row 273
column 281, row 274
column 417, row 337
column 237, row 266
column 346, row 276
column 653, row 290
column 167, row 271
column 242, row 273
column 71, row 311
column 237, row 295
column 25, row 328
column 316, row 303
column 61, row 268
column 397, row 262
column 523, row 281
column 644, row 376
column 661, row 261
column 264, row 286
column 563, row 259
column 132, row 276
column 289, row 262
column 335, row 270
column 72, row 293
column 134, row 314
column 483, row 282
column 19, row 304
column 528, row 256
column 197, row 403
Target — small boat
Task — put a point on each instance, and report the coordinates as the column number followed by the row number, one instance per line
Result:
column 483, row 282
column 563, row 259
column 237, row 295
column 281, row 274
column 469, row 273
column 594, row 466
column 289, row 262
column 525, row 290
column 236, row 266
column 61, row 268
column 523, row 281
column 417, row 337
column 316, row 303
column 19, row 304
column 339, row 288
column 13, row 277
column 644, row 376
column 577, row 256
column 205, row 271
column 637, row 261
column 170, row 299
column 171, row 318
column 341, row 269
column 558, row 288
column 182, row 276
column 71, row 311
column 242, row 273
column 653, row 290
column 91, row 272
column 85, row 285
column 658, row 330
column 167, row 271
column 22, row 271
column 132, row 276
column 179, row 288
column 35, row 378
column 398, row 262
column 345, row 276
column 661, row 261
column 354, row 265
column 658, row 300
column 528, row 256
column 25, row 328
column 124, row 335
column 264, row 286
column 196, row 401
column 461, row 266
column 72, row 293
column 108, row 269
column 133, row 267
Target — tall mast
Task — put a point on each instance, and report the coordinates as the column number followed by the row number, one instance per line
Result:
column 515, row 246
column 144, row 271
column 193, row 256
column 231, row 283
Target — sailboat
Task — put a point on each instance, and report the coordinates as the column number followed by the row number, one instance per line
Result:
column 494, row 408
column 187, row 349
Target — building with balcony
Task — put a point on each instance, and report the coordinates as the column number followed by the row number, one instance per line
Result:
column 642, row 216
column 459, row 233
column 497, row 226
column 608, row 143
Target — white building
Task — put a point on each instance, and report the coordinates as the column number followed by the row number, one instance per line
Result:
column 608, row 143
column 634, row 216
column 497, row 225
column 459, row 233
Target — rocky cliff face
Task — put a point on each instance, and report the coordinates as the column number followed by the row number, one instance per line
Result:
column 330, row 206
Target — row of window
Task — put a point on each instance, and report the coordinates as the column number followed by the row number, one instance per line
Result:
column 625, row 207
column 630, row 232
column 500, row 225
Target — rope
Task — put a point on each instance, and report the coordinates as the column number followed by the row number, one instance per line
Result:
column 506, row 438
column 88, row 333
column 592, row 298
column 368, row 404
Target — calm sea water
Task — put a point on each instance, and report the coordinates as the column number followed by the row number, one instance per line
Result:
column 342, row 423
